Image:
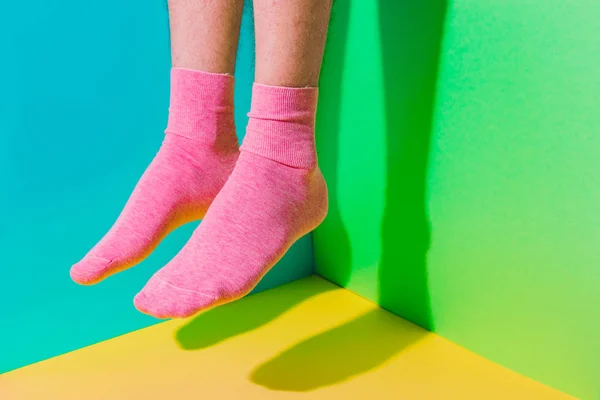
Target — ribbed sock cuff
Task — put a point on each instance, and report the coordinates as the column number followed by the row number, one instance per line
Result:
column 282, row 125
column 201, row 106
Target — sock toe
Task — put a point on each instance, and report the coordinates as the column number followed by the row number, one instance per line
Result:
column 163, row 300
column 90, row 270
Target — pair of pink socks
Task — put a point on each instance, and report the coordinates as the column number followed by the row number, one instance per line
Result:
column 255, row 201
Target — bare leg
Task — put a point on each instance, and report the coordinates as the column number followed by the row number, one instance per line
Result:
column 205, row 33
column 290, row 39
column 199, row 149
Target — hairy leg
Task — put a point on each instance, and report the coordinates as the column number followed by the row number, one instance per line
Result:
column 290, row 39
column 205, row 33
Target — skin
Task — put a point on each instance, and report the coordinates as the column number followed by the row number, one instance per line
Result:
column 205, row 33
column 290, row 38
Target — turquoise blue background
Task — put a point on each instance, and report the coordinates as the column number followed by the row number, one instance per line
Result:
column 84, row 97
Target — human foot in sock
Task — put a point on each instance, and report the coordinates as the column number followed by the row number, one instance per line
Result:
column 275, row 195
column 197, row 156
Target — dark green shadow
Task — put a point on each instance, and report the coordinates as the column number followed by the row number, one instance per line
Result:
column 411, row 37
column 335, row 265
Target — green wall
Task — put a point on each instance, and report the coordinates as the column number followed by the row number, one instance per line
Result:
column 84, row 93
column 460, row 142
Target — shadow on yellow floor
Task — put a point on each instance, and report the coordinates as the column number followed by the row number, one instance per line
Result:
column 325, row 359
column 237, row 318
column 336, row 355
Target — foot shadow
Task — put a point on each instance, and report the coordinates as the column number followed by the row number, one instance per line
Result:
column 233, row 319
column 339, row 354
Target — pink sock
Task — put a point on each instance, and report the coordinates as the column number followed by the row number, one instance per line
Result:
column 196, row 157
column 275, row 195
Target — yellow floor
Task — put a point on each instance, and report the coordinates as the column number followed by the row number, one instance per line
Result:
column 308, row 339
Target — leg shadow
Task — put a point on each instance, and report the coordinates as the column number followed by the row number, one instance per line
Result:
column 334, row 259
column 411, row 36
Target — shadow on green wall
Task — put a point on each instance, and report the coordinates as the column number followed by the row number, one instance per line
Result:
column 411, row 33
column 329, row 115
